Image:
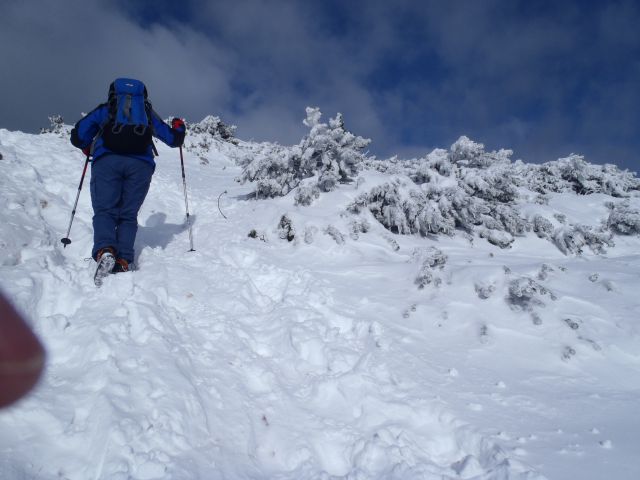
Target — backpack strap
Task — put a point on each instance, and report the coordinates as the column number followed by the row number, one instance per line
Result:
column 99, row 134
column 150, row 112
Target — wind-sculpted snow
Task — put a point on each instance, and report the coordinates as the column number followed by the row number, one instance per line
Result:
column 306, row 340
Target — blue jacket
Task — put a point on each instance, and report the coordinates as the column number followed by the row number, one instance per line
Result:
column 87, row 128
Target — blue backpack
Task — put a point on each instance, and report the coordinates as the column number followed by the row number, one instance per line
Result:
column 128, row 129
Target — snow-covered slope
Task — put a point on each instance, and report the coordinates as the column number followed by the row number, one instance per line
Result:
column 255, row 357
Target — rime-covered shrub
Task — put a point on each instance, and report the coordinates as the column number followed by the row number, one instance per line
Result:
column 331, row 151
column 213, row 127
column 545, row 269
column 430, row 256
column 357, row 227
column 524, row 293
column 305, row 195
column 508, row 219
column 57, row 126
column 461, row 189
column 484, row 290
column 329, row 154
column 391, row 166
column 624, row 220
column 575, row 174
column 573, row 239
column 385, row 203
column 430, row 259
column 477, row 192
column 285, row 229
column 542, row 227
column 336, row 234
column 202, row 136
column 492, row 184
column 486, row 175
column 425, row 211
column 272, row 168
column 468, row 153
column 497, row 237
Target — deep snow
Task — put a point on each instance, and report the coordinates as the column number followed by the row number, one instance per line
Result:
column 318, row 358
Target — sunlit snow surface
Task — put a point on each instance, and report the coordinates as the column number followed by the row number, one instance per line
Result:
column 258, row 358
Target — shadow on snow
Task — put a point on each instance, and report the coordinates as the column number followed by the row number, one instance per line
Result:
column 157, row 233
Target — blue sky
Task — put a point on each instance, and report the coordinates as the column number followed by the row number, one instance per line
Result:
column 543, row 78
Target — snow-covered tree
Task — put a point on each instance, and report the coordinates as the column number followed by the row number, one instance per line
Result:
column 462, row 188
column 329, row 155
column 57, row 126
column 573, row 239
column 623, row 219
column 575, row 174
column 203, row 136
column 272, row 168
column 214, row 127
column 330, row 151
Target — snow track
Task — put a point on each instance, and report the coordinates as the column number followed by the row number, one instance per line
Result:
column 247, row 358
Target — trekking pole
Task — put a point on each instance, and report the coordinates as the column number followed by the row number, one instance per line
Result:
column 186, row 203
column 66, row 240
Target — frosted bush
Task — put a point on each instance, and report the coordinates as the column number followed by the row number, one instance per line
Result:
column 545, row 269
column 468, row 153
column 334, row 233
column 465, row 189
column 624, row 220
column 484, row 290
column 426, row 277
column 386, row 205
column 357, row 227
column 57, row 126
column 285, row 229
column 498, row 238
column 214, row 127
column 272, row 168
column 330, row 154
column 430, row 259
column 573, row 239
column 575, row 174
column 542, row 227
column 524, row 293
column 202, row 136
column 470, row 190
column 461, row 189
column 509, row 219
column 305, row 195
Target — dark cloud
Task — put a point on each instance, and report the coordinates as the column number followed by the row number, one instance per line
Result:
column 61, row 57
column 543, row 78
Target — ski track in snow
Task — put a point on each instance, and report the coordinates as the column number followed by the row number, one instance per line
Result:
column 263, row 359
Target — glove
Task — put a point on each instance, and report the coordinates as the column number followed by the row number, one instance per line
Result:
column 87, row 150
column 177, row 124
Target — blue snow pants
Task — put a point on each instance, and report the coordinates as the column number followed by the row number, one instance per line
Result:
column 119, row 185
